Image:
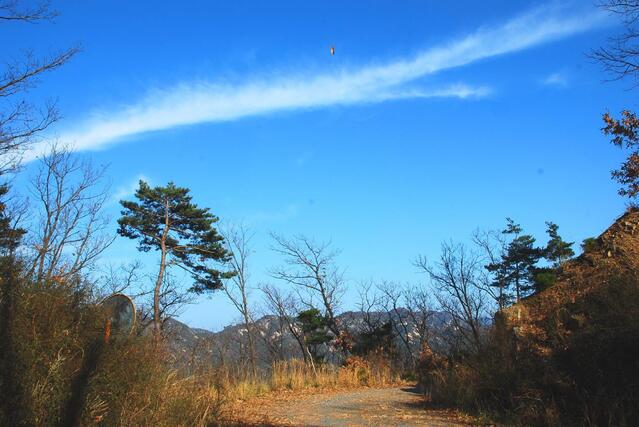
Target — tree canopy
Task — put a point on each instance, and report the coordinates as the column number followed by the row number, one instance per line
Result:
column 165, row 219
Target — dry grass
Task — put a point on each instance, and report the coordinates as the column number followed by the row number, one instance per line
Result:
column 159, row 396
column 295, row 375
column 290, row 379
column 61, row 372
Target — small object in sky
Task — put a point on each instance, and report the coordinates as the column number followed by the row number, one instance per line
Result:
column 332, row 50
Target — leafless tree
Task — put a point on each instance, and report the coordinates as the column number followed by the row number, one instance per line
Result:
column 130, row 279
column 238, row 239
column 14, row 10
column 122, row 279
column 369, row 304
column 173, row 298
column 391, row 301
column 275, row 344
column 420, row 313
column 286, row 308
column 621, row 56
column 407, row 308
column 310, row 267
column 20, row 120
column 455, row 277
column 69, row 229
column 493, row 247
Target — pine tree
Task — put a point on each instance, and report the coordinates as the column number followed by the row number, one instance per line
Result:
column 520, row 260
column 165, row 219
column 315, row 328
column 499, row 272
column 557, row 250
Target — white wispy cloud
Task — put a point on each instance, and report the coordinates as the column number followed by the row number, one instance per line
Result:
column 209, row 101
column 558, row 79
column 124, row 191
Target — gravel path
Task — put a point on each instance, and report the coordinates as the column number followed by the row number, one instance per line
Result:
column 371, row 407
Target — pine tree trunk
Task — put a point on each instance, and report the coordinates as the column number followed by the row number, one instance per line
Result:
column 157, row 322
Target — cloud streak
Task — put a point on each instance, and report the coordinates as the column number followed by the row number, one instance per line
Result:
column 127, row 190
column 208, row 101
column 557, row 79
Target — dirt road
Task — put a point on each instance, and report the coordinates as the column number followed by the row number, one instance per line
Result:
column 370, row 407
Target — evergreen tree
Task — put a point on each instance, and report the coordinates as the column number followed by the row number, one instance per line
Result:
column 500, row 281
column 165, row 219
column 520, row 260
column 378, row 339
column 315, row 328
column 557, row 250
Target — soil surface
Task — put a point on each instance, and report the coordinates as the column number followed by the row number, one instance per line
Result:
column 401, row 406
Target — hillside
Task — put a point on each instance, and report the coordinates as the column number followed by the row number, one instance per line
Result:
column 568, row 354
column 610, row 257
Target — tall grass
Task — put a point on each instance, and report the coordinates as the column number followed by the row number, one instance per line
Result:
column 296, row 375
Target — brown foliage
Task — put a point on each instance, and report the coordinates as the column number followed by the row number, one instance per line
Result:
column 624, row 135
column 566, row 356
column 67, row 375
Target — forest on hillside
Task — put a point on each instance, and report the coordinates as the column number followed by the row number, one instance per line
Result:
column 510, row 327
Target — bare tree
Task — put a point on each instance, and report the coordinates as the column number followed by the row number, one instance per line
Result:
column 286, row 308
column 420, row 314
column 493, row 248
column 14, row 10
column 621, row 57
column 455, row 277
column 274, row 340
column 125, row 278
column 130, row 279
column 391, row 302
column 69, row 232
column 238, row 240
column 172, row 299
column 310, row 267
column 20, row 120
column 407, row 309
column 369, row 304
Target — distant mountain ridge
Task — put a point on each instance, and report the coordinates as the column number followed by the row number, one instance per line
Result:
column 274, row 341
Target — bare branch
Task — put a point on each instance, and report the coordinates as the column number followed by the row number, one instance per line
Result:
column 455, row 277
column 68, row 233
column 21, row 122
column 238, row 241
column 12, row 10
column 310, row 266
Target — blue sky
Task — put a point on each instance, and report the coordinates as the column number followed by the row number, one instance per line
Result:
column 429, row 121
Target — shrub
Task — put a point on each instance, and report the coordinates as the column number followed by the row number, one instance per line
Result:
column 590, row 244
column 585, row 373
column 66, row 374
